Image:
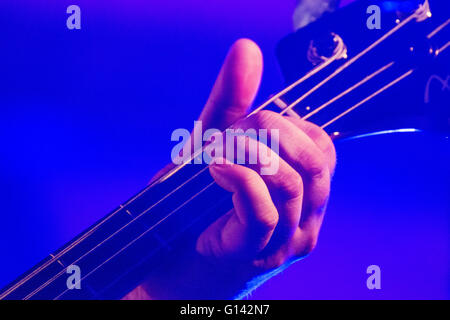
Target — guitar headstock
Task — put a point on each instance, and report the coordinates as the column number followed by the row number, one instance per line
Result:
column 406, row 76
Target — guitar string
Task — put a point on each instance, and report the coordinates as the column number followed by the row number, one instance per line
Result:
column 351, row 61
column 438, row 29
column 336, row 56
column 370, row 97
column 83, row 237
column 296, row 83
column 344, row 93
column 445, row 46
column 429, row 36
column 421, row 14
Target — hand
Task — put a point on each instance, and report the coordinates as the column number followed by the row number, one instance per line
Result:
column 276, row 218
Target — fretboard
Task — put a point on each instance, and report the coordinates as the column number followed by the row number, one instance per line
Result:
column 117, row 253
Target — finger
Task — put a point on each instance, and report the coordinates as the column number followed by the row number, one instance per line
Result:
column 301, row 153
column 285, row 185
column 235, row 87
column 247, row 230
column 320, row 138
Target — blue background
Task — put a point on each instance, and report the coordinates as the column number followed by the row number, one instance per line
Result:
column 86, row 118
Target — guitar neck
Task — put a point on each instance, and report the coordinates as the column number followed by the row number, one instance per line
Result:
column 119, row 251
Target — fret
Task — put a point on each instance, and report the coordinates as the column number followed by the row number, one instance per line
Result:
column 58, row 261
column 129, row 213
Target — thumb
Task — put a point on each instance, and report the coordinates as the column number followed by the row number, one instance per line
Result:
column 235, row 87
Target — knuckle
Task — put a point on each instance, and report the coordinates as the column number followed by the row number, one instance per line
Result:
column 270, row 263
column 291, row 186
column 308, row 245
column 328, row 145
column 318, row 166
column 249, row 179
column 278, row 262
column 311, row 244
column 268, row 222
column 324, row 141
column 264, row 118
column 330, row 152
